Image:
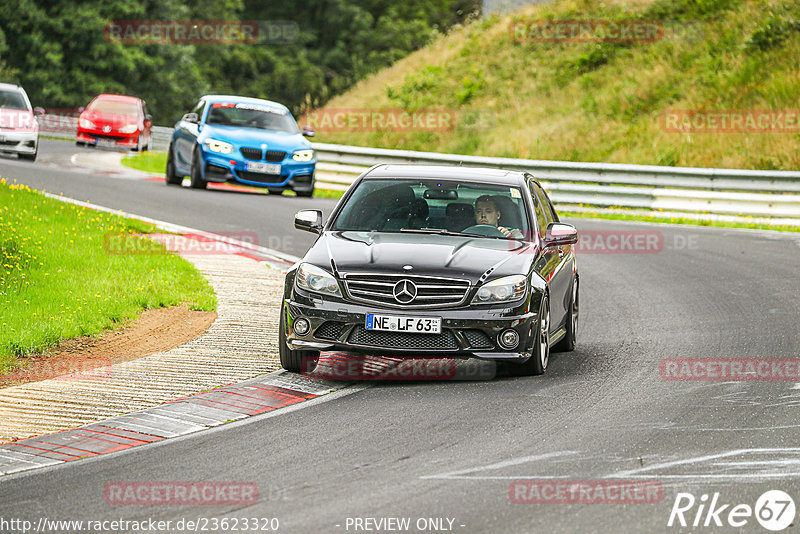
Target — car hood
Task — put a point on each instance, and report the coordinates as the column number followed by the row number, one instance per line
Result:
column 109, row 119
column 255, row 137
column 20, row 120
column 428, row 254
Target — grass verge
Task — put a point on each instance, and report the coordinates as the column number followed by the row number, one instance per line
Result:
column 147, row 162
column 57, row 281
column 655, row 217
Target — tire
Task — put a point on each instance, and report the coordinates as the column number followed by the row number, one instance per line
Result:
column 570, row 338
column 29, row 157
column 305, row 194
column 138, row 144
column 295, row 360
column 540, row 355
column 172, row 177
column 197, row 179
column 274, row 191
column 80, row 143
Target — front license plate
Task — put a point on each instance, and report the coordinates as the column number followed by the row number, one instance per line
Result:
column 266, row 168
column 106, row 142
column 415, row 325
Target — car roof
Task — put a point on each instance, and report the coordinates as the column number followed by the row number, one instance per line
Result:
column 11, row 87
column 120, row 98
column 243, row 99
column 448, row 172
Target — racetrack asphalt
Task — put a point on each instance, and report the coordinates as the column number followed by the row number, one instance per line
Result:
column 446, row 449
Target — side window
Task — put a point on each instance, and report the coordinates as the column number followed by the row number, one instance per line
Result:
column 199, row 108
column 537, row 208
column 549, row 213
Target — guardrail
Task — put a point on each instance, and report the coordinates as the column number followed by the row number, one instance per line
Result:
column 770, row 194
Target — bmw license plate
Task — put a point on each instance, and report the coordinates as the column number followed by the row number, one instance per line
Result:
column 415, row 325
column 266, row 168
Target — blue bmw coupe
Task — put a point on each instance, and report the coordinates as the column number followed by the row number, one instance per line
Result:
column 241, row 140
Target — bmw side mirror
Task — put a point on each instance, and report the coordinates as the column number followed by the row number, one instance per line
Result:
column 560, row 234
column 191, row 117
column 309, row 220
column 37, row 111
column 308, row 131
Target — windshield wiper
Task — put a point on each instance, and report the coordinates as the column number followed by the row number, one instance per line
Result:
column 440, row 231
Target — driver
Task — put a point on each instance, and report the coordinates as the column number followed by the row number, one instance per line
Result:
column 487, row 212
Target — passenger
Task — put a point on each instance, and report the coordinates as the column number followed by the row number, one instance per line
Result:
column 487, row 212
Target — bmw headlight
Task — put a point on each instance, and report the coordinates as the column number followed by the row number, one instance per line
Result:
column 312, row 278
column 218, row 146
column 86, row 123
column 303, row 155
column 507, row 289
column 128, row 128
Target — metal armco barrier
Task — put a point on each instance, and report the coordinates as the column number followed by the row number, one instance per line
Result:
column 771, row 194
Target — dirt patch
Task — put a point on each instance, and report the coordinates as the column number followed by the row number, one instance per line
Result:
column 157, row 330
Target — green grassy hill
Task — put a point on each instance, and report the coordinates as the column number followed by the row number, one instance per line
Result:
column 600, row 101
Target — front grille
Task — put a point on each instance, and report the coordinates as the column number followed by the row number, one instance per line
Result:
column 261, row 177
column 431, row 291
column 478, row 340
column 252, row 153
column 8, row 143
column 396, row 340
column 275, row 156
column 330, row 330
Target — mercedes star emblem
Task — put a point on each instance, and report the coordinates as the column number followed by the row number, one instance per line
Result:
column 404, row 291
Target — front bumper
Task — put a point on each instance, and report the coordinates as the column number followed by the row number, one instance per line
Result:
column 18, row 142
column 232, row 168
column 466, row 332
column 98, row 137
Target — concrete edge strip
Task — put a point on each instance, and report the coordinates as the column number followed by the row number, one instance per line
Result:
column 263, row 394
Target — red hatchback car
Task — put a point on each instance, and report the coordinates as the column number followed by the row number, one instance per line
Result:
column 115, row 121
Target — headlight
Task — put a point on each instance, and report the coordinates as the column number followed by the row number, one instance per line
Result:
column 219, row 146
column 303, row 155
column 507, row 289
column 86, row 123
column 314, row 279
column 130, row 128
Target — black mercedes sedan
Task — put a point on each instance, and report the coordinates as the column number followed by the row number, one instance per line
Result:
column 434, row 261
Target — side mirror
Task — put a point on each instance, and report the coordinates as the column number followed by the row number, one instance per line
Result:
column 308, row 131
column 560, row 234
column 191, row 117
column 309, row 220
column 38, row 112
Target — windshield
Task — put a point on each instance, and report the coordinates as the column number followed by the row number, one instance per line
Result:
column 437, row 207
column 261, row 117
column 12, row 100
column 114, row 107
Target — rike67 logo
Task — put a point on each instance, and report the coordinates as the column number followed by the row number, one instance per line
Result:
column 774, row 510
